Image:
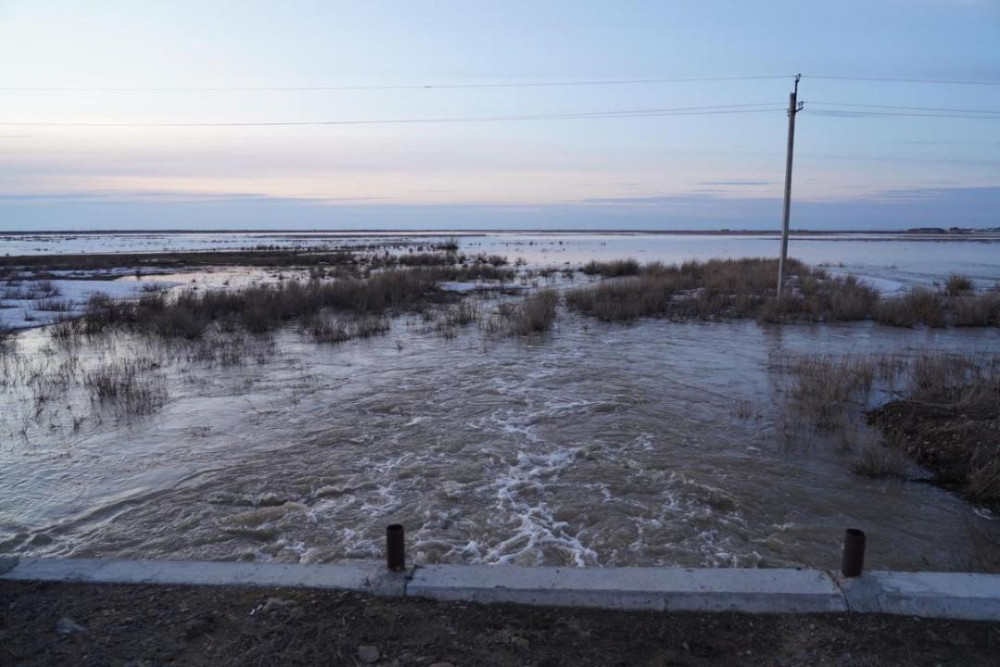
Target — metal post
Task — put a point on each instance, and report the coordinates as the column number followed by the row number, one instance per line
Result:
column 395, row 547
column 793, row 108
column 854, row 553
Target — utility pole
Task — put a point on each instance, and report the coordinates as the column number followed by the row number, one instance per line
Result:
column 794, row 106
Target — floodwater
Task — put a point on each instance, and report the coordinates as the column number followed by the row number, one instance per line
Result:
column 657, row 443
column 889, row 260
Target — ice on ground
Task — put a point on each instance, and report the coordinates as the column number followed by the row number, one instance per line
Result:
column 73, row 295
column 456, row 286
column 885, row 286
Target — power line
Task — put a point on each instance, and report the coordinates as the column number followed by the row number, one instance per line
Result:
column 843, row 113
column 628, row 113
column 450, row 86
column 459, row 86
column 906, row 108
column 946, row 82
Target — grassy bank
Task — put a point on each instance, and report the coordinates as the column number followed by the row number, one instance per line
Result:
column 746, row 288
column 941, row 411
column 949, row 422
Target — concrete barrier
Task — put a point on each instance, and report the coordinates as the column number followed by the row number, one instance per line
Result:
column 368, row 577
column 923, row 594
column 957, row 595
column 669, row 589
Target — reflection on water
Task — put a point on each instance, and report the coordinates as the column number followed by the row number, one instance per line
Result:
column 595, row 445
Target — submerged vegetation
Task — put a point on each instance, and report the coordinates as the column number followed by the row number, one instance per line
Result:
column 949, row 422
column 940, row 410
column 128, row 386
column 266, row 308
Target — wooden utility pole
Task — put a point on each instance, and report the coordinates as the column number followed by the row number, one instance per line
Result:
column 794, row 106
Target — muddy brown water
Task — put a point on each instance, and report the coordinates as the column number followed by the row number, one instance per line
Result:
column 653, row 444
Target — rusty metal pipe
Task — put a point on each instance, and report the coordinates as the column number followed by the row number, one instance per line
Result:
column 854, row 553
column 395, row 547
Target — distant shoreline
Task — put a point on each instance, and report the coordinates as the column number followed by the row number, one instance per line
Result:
column 991, row 233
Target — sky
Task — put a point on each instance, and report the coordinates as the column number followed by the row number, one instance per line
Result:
column 85, row 83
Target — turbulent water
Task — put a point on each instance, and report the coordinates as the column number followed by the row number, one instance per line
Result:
column 655, row 443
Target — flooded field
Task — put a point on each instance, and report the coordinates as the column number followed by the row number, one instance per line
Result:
column 654, row 443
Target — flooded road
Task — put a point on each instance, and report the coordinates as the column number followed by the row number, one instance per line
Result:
column 653, row 444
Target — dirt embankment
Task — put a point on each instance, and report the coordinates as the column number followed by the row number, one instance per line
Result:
column 955, row 436
column 86, row 624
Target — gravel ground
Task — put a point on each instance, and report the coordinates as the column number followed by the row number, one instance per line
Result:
column 93, row 624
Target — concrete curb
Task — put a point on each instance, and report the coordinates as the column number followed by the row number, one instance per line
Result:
column 755, row 591
column 7, row 564
column 925, row 594
column 367, row 578
column 664, row 589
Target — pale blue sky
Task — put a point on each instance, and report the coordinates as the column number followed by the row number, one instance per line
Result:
column 656, row 172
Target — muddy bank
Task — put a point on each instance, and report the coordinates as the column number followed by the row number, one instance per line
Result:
column 953, row 436
column 146, row 625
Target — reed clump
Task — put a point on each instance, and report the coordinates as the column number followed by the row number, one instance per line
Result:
column 958, row 284
column 533, row 315
column 981, row 310
column 746, row 288
column 612, row 269
column 465, row 313
column 826, row 389
column 260, row 309
column 715, row 289
column 450, row 244
column 54, row 305
column 818, row 297
column 918, row 306
column 623, row 300
column 879, row 461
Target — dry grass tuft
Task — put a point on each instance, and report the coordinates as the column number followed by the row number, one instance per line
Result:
column 533, row 315
column 957, row 285
column 879, row 461
column 827, row 389
column 982, row 310
column 339, row 329
column 613, row 269
column 918, row 306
